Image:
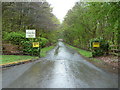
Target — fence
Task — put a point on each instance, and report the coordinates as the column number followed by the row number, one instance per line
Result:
column 10, row 49
column 114, row 50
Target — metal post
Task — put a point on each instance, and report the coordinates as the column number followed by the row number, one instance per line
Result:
column 32, row 47
column 39, row 47
column 39, row 51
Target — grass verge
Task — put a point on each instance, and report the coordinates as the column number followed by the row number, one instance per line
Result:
column 4, row 59
column 45, row 50
column 14, row 58
column 85, row 53
column 97, row 62
column 82, row 52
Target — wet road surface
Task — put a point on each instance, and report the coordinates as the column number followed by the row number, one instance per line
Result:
column 62, row 68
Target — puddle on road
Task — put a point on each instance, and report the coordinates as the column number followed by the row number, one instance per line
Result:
column 79, row 69
column 61, row 52
column 56, row 50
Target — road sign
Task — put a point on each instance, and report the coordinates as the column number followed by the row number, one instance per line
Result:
column 35, row 44
column 96, row 44
column 30, row 34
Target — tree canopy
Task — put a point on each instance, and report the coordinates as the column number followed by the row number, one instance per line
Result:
column 90, row 20
column 19, row 16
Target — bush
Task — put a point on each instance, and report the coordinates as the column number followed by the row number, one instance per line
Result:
column 43, row 42
column 103, row 49
column 76, row 42
column 18, row 38
column 15, row 37
column 29, row 49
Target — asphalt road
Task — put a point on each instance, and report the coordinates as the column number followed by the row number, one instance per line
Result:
column 62, row 68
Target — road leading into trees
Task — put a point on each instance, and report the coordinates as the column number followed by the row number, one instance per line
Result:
column 62, row 68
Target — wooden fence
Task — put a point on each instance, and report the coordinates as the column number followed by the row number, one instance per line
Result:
column 114, row 50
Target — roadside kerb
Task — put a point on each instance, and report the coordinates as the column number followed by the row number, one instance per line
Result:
column 17, row 63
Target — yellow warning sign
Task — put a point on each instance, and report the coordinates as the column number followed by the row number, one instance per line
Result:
column 35, row 44
column 96, row 44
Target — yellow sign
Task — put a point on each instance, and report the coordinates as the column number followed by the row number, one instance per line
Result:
column 35, row 44
column 96, row 44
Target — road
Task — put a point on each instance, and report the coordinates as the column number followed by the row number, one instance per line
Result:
column 62, row 68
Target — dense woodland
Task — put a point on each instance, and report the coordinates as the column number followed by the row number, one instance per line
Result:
column 19, row 16
column 86, row 21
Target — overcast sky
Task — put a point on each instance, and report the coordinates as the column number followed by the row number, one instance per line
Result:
column 61, row 7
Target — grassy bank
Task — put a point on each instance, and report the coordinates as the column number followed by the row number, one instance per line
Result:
column 45, row 50
column 82, row 52
column 85, row 53
column 101, row 62
column 4, row 59
column 14, row 58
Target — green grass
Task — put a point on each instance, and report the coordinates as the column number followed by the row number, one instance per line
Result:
column 13, row 58
column 86, row 54
column 45, row 50
column 82, row 52
column 96, row 60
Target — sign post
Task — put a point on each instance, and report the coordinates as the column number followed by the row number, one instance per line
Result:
column 96, row 44
column 95, row 48
column 35, row 44
column 32, row 34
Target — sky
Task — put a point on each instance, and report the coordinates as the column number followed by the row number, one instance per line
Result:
column 61, row 7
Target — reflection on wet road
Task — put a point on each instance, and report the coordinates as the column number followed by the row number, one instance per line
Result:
column 62, row 68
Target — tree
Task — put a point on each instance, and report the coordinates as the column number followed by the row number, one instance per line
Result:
column 19, row 16
column 90, row 20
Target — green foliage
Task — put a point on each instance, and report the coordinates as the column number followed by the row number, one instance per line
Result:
column 91, row 20
column 98, row 51
column 19, row 16
column 15, row 38
column 20, row 39
column 44, row 41
column 29, row 49
column 76, row 42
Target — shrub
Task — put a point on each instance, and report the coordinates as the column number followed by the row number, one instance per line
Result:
column 18, row 38
column 103, row 49
column 76, row 42
column 43, row 42
column 15, row 37
column 29, row 49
